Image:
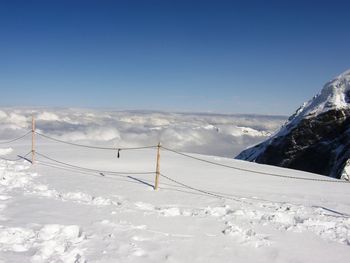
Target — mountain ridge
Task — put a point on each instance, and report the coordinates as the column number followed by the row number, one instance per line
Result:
column 315, row 138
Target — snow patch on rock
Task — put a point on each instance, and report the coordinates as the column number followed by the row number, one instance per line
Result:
column 345, row 175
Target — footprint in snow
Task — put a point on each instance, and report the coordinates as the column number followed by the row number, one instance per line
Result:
column 51, row 243
column 246, row 236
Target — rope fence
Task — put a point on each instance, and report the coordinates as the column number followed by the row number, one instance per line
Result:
column 198, row 190
column 250, row 170
column 89, row 169
column 81, row 171
column 95, row 147
column 16, row 139
column 58, row 164
column 19, row 157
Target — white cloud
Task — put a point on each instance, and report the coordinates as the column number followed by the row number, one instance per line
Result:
column 47, row 116
column 90, row 134
column 213, row 134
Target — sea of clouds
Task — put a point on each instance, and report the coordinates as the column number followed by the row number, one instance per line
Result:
column 212, row 134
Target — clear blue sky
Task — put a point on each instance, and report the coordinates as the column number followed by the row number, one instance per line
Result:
column 180, row 55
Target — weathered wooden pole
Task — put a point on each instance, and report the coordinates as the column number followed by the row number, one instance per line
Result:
column 33, row 139
column 157, row 168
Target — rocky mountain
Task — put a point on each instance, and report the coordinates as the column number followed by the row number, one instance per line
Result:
column 316, row 138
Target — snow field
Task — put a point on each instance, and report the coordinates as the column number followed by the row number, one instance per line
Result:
column 50, row 242
column 51, row 215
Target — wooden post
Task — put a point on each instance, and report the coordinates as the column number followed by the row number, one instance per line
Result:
column 33, row 139
column 157, row 168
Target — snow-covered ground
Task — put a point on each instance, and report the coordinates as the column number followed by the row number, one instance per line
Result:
column 63, row 215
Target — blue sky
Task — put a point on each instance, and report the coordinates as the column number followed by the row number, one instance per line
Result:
column 206, row 56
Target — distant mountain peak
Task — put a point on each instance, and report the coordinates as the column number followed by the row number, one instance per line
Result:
column 316, row 138
column 334, row 95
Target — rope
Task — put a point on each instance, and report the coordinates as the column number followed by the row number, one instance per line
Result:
column 155, row 146
column 89, row 169
column 242, row 198
column 10, row 160
column 253, row 171
column 17, row 159
column 16, row 139
column 96, row 147
column 61, row 167
column 199, row 190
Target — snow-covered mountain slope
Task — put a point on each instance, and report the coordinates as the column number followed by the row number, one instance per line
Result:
column 56, row 213
column 316, row 137
column 335, row 95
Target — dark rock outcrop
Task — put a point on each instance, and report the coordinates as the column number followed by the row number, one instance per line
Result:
column 315, row 139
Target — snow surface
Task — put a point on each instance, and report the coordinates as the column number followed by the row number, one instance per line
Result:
column 52, row 215
column 5, row 151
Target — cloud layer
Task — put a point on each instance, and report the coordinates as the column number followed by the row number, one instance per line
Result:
column 213, row 134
